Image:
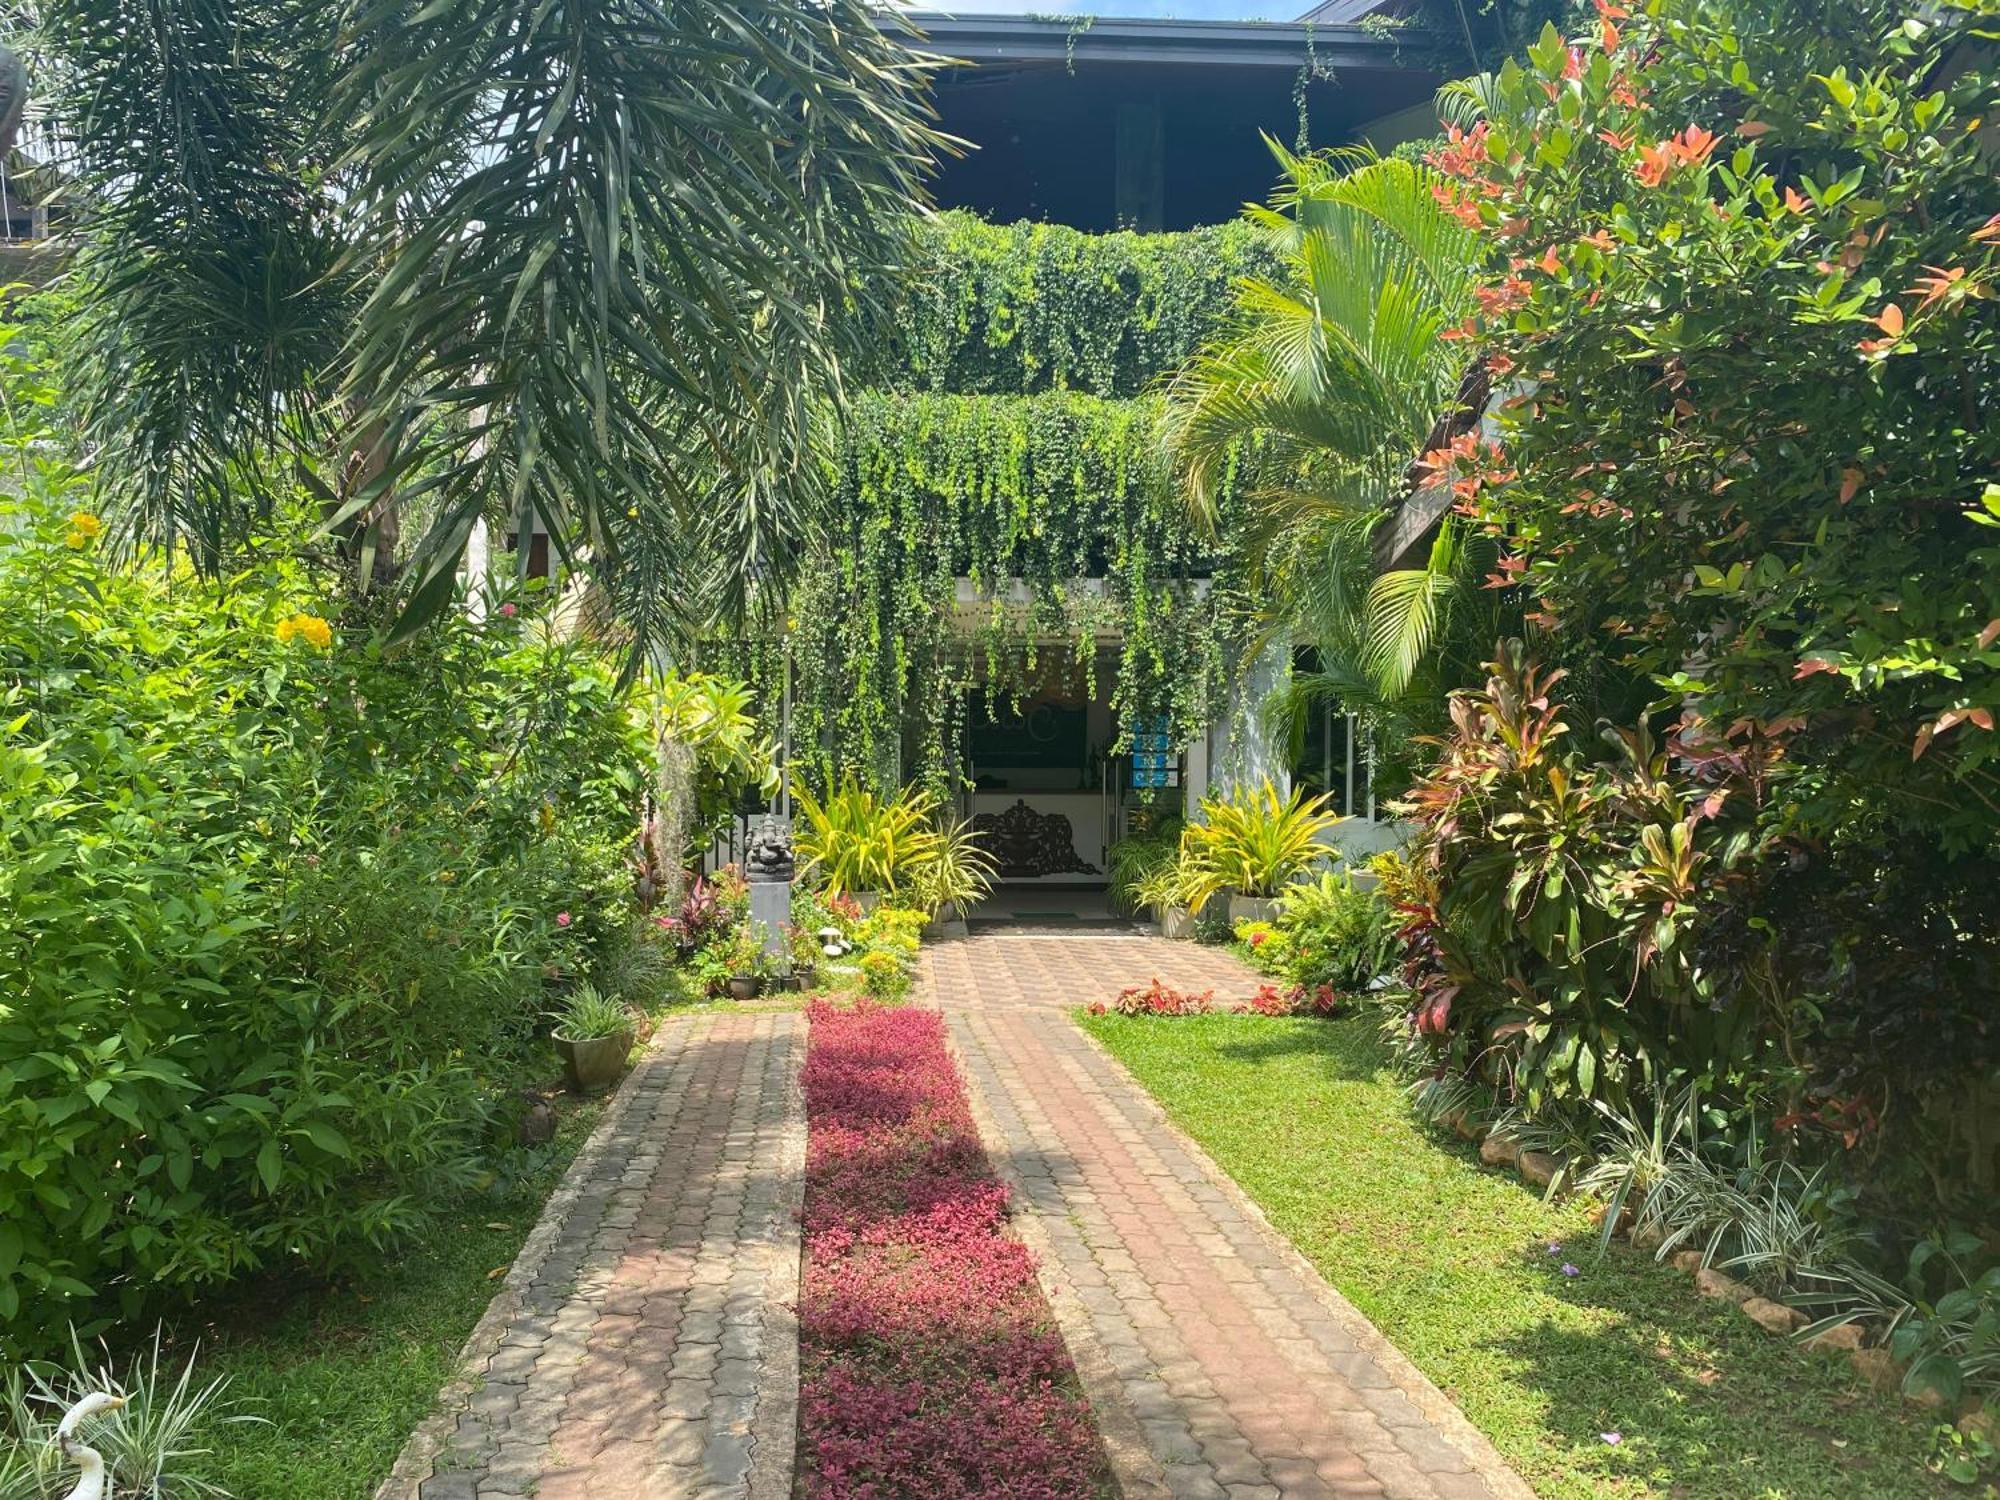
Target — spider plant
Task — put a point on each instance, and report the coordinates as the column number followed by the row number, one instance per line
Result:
column 1142, row 852
column 1634, row 1157
column 148, row 1445
column 958, row 873
column 1253, row 843
column 857, row 840
column 588, row 1015
column 1162, row 887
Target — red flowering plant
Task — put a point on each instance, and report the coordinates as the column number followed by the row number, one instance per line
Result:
column 1158, row 998
column 930, row 1362
column 1741, row 307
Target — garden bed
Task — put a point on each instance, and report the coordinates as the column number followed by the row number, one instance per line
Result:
column 1594, row 1377
column 930, row 1361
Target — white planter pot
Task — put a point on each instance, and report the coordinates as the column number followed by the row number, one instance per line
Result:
column 1175, row 921
column 1252, row 909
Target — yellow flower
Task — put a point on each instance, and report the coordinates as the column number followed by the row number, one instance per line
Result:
column 85, row 522
column 308, row 628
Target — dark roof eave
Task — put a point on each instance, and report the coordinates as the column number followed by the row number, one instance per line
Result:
column 1150, row 41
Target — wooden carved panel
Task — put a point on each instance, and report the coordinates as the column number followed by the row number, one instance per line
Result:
column 1026, row 843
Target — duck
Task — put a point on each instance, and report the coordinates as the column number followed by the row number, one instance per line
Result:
column 94, row 1484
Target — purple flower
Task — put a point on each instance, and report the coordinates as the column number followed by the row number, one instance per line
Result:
column 1555, row 1247
column 1570, row 1270
column 1613, row 1438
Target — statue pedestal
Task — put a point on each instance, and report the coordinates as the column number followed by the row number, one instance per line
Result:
column 770, row 910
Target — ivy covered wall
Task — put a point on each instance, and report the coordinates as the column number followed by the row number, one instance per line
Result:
column 1017, row 308
column 1012, row 439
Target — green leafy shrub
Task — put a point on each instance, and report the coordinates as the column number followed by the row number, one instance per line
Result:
column 1740, row 306
column 277, row 913
column 1329, row 933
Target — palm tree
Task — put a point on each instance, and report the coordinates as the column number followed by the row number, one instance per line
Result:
column 595, row 263
column 1327, row 385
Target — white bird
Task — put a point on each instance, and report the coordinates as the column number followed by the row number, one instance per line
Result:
column 93, row 1484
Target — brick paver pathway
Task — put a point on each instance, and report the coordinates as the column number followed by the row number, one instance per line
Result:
column 1218, row 1361
column 644, row 1345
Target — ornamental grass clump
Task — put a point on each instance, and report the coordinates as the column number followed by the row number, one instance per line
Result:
column 931, row 1363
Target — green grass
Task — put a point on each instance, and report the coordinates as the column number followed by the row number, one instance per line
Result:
column 343, row 1374
column 1453, row 1264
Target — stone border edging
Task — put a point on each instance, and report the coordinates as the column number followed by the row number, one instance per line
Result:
column 1137, row 1473
column 1484, row 1459
column 1872, row 1362
column 774, row 1459
column 414, row 1464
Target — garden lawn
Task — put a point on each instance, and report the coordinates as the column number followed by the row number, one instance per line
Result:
column 1458, row 1267
column 343, row 1375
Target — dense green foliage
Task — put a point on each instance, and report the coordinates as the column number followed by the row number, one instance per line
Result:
column 1064, row 493
column 1330, row 933
column 1331, row 369
column 1253, row 841
column 1748, row 497
column 278, row 915
column 1010, row 309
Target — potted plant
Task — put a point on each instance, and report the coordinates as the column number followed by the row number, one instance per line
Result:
column 593, row 1035
column 746, row 965
column 1252, row 845
column 859, row 844
column 957, row 875
column 1162, row 890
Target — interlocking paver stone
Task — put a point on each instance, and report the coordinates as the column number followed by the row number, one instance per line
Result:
column 596, row 1373
column 1240, row 1372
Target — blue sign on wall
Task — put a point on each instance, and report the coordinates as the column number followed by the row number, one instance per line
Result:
column 1155, row 762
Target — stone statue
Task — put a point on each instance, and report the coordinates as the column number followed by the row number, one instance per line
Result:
column 769, row 857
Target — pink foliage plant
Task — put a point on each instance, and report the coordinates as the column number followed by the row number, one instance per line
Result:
column 931, row 1363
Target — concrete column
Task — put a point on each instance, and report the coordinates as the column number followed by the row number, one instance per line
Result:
column 1246, row 753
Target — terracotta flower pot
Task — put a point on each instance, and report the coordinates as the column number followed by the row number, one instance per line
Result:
column 594, row 1064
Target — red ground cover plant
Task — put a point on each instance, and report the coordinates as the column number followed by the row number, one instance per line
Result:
column 930, row 1362
column 1158, row 999
column 1294, row 1000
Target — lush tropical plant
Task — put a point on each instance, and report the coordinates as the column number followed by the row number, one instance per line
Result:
column 859, row 840
column 1252, row 842
column 1164, row 887
column 587, row 1014
column 1940, row 1318
column 1548, row 900
column 1336, row 370
column 593, row 265
column 1149, row 847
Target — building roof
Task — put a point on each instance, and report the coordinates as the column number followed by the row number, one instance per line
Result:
column 1141, row 41
column 1107, row 121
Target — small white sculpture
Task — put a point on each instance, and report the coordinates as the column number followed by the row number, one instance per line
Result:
column 94, row 1484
